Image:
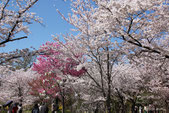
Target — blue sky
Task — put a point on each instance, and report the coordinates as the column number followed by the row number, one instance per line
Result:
column 53, row 22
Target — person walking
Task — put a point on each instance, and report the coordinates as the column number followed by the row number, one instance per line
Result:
column 15, row 108
column 44, row 108
column 19, row 108
column 35, row 109
column 40, row 108
column 0, row 108
column 55, row 105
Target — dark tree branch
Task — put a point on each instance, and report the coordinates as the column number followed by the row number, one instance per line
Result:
column 130, row 26
column 145, row 47
column 11, row 40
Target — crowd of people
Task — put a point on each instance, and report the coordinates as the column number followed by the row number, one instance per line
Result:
column 11, row 107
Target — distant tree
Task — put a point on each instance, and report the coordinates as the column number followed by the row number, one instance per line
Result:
column 18, row 59
column 24, row 61
column 14, row 86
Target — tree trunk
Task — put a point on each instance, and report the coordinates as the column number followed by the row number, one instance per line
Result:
column 142, row 109
column 108, row 101
column 167, row 108
column 123, row 110
column 108, row 105
column 20, row 94
column 133, row 107
column 155, row 109
column 71, row 106
column 63, row 104
column 117, row 108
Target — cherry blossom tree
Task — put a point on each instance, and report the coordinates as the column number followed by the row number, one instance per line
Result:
column 3, row 71
column 45, row 86
column 108, row 30
column 14, row 18
column 138, row 86
column 153, row 77
column 14, row 86
column 156, row 80
column 101, row 56
column 54, row 68
column 100, row 51
column 56, row 61
column 19, row 58
column 126, row 86
column 131, row 21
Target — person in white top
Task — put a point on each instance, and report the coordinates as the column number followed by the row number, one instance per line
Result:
column 19, row 108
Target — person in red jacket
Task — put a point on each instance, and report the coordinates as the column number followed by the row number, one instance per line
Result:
column 15, row 108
